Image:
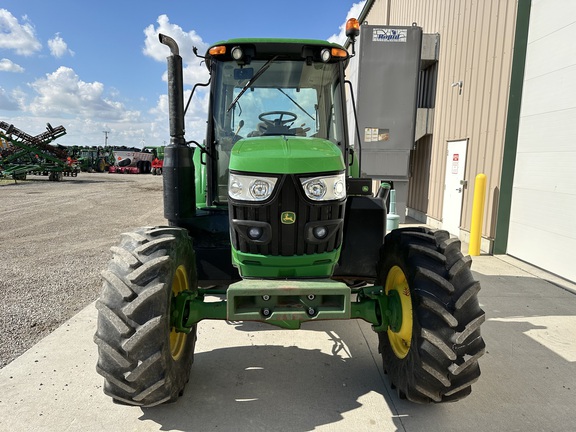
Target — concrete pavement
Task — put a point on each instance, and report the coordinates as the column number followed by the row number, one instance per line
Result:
column 326, row 376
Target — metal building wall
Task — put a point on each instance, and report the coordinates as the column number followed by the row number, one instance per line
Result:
column 476, row 43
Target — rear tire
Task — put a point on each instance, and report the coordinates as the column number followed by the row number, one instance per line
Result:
column 143, row 360
column 433, row 357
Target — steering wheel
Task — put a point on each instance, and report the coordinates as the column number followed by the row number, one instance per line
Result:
column 279, row 121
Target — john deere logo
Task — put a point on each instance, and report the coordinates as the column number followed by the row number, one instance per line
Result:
column 288, row 217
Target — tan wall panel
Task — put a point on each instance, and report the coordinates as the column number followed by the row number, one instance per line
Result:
column 476, row 44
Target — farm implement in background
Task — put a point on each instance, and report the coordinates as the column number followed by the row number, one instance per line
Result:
column 130, row 160
column 92, row 158
column 26, row 154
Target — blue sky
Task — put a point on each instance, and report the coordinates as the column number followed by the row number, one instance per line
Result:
column 96, row 66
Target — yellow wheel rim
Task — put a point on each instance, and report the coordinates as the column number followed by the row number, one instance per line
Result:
column 178, row 339
column 400, row 340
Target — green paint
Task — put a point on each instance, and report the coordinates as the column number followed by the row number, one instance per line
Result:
column 287, row 303
column 285, row 155
column 366, row 309
column 380, row 309
column 297, row 266
column 512, row 126
column 199, row 178
column 189, row 308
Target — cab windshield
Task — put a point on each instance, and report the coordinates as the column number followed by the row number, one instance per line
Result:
column 277, row 97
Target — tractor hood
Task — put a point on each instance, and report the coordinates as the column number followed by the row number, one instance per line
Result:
column 285, row 155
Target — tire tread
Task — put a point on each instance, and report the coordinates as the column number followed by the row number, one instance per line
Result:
column 442, row 362
column 133, row 317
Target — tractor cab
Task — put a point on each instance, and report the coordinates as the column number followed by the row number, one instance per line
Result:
column 271, row 96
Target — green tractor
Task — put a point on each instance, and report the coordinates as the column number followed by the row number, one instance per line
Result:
column 271, row 214
column 92, row 158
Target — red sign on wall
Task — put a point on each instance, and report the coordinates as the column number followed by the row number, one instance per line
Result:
column 455, row 159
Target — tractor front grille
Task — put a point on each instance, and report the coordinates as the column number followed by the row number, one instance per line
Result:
column 287, row 239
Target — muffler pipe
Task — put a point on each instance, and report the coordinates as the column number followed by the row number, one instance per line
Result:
column 169, row 42
column 178, row 169
column 175, row 91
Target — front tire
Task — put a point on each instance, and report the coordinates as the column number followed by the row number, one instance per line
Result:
column 433, row 355
column 144, row 361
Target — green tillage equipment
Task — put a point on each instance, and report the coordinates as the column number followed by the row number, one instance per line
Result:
column 35, row 154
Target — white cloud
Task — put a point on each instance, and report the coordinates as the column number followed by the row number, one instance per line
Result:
column 59, row 48
column 7, row 65
column 354, row 12
column 63, row 92
column 186, row 41
column 88, row 131
column 18, row 37
column 195, row 116
column 193, row 71
column 8, row 102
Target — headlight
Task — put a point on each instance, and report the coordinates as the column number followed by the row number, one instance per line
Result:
column 250, row 188
column 325, row 188
column 237, row 53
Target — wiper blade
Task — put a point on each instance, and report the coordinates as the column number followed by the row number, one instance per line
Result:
column 295, row 103
column 252, row 81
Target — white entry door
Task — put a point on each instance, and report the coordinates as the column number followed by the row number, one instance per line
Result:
column 453, row 187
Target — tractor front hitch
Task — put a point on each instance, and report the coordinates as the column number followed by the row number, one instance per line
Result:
column 288, row 307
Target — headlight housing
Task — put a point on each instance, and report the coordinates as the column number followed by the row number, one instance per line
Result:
column 325, row 188
column 250, row 188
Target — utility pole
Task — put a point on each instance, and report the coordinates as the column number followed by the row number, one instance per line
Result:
column 106, row 138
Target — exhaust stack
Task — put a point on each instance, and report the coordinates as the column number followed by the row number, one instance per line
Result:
column 178, row 169
column 175, row 91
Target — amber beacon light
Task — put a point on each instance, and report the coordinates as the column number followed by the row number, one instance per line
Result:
column 352, row 28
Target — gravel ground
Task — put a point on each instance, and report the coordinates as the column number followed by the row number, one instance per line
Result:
column 55, row 239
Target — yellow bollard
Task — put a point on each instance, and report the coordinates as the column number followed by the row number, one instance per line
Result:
column 477, row 214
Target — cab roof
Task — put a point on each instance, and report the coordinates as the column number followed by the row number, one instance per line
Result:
column 267, row 48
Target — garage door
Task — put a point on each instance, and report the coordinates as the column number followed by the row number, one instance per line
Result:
column 543, row 215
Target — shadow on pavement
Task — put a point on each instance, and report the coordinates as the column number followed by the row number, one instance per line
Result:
column 275, row 387
column 528, row 376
